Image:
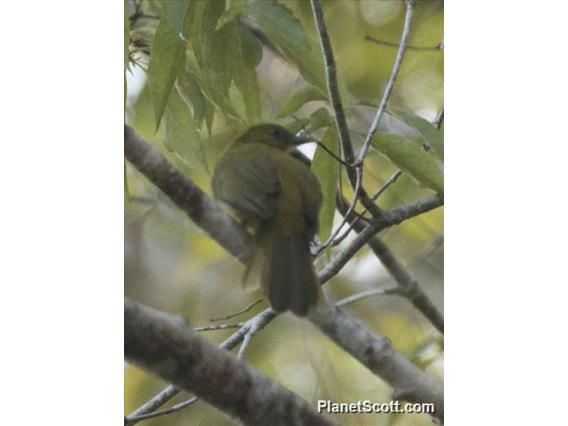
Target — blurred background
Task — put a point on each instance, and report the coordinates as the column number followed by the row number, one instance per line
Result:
column 172, row 265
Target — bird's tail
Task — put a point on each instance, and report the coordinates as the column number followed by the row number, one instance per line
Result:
column 288, row 278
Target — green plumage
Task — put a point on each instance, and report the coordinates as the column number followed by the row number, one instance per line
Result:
column 279, row 198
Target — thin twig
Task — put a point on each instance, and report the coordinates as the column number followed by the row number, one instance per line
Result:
column 368, row 293
column 326, row 149
column 390, row 84
column 173, row 409
column 351, row 208
column 439, row 46
column 218, row 327
column 244, row 345
column 353, row 222
column 318, row 142
column 387, row 183
column 236, row 314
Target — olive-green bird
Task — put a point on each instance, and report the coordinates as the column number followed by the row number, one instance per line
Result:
column 279, row 198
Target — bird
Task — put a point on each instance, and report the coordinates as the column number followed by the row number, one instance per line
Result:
column 276, row 196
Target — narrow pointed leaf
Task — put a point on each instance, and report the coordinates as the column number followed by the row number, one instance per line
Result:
column 412, row 158
column 232, row 9
column 299, row 98
column 167, row 55
column 428, row 132
column 326, row 169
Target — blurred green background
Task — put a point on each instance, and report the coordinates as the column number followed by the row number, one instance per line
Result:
column 172, row 265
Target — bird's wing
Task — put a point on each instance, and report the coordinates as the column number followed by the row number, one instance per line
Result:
column 248, row 183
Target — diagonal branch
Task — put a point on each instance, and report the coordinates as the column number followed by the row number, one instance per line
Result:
column 165, row 345
column 200, row 208
column 405, row 283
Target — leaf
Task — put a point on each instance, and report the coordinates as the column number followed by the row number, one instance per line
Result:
column 209, row 116
column 190, row 91
column 428, row 132
column 411, row 157
column 321, row 118
column 174, row 12
column 182, row 135
column 232, row 9
column 247, row 83
column 165, row 60
column 246, row 59
column 287, row 32
column 251, row 47
column 325, row 167
column 217, row 53
column 299, row 98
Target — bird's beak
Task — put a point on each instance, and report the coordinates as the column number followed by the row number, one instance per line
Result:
column 302, row 138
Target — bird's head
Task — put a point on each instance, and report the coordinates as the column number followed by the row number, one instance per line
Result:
column 272, row 135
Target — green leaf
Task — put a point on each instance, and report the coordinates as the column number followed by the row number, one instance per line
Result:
column 209, row 116
column 287, row 32
column 248, row 57
column 411, row 157
column 182, row 134
column 190, row 91
column 299, row 98
column 167, row 57
column 174, row 11
column 217, row 53
column 232, row 9
column 429, row 133
column 252, row 49
column 325, row 167
column 321, row 118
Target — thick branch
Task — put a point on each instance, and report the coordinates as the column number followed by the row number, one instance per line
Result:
column 200, row 208
column 166, row 346
column 377, row 353
column 257, row 322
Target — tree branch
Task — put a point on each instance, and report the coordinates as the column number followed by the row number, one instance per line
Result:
column 166, row 346
column 377, row 354
column 408, row 285
column 200, row 208
column 257, row 322
column 439, row 46
column 405, row 283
